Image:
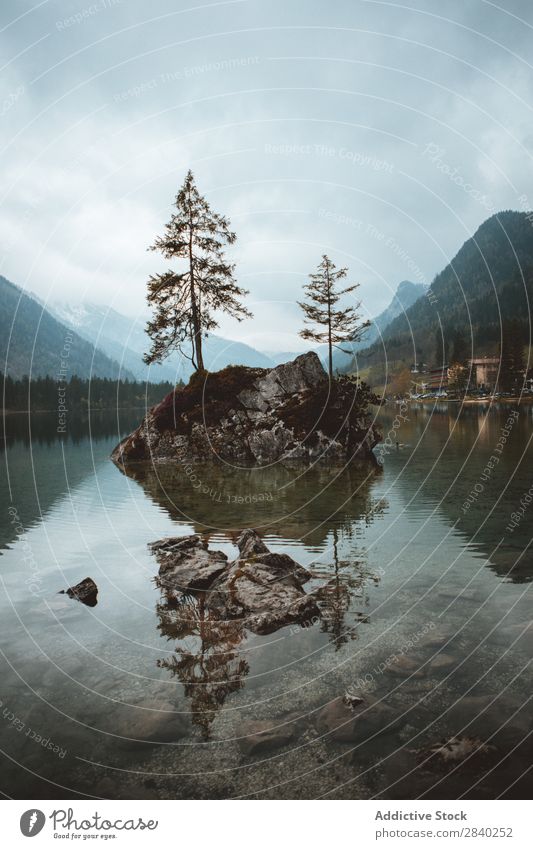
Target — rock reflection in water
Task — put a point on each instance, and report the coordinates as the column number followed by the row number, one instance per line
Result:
column 300, row 504
column 210, row 653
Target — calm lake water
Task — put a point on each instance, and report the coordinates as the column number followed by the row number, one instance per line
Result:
column 425, row 595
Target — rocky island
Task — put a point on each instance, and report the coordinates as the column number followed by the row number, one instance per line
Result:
column 256, row 417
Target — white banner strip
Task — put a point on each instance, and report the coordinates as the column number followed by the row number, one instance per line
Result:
column 234, row 824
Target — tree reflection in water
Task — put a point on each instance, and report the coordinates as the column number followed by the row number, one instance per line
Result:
column 207, row 659
column 343, row 593
column 324, row 508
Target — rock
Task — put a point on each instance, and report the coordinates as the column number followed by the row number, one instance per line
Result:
column 458, row 749
column 259, row 736
column 250, row 544
column 256, row 417
column 151, row 720
column 406, row 667
column 499, row 718
column 441, row 661
column 86, row 591
column 260, row 587
column 355, row 722
column 352, row 701
column 438, row 636
column 186, row 565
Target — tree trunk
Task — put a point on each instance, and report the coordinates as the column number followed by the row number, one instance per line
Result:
column 197, row 328
column 330, row 347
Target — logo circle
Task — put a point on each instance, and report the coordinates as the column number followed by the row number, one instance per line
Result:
column 32, row 822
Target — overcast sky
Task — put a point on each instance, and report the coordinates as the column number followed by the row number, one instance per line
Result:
column 381, row 133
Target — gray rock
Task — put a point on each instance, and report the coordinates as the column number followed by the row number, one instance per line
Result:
column 186, row 565
column 355, row 719
column 253, row 400
column 86, row 591
column 150, row 720
column 263, row 588
column 260, row 587
column 442, row 661
column 247, row 427
column 502, row 719
column 458, row 749
column 261, row 736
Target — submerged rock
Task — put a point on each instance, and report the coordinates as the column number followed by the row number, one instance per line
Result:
column 255, row 417
column 354, row 719
column 407, row 667
column 261, row 588
column 86, row 591
column 260, row 736
column 458, row 749
column 152, row 719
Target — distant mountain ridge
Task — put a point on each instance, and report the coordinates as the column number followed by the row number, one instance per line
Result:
column 407, row 293
column 106, row 343
column 125, row 340
column 488, row 281
column 34, row 342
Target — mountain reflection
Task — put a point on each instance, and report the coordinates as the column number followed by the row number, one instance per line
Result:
column 474, row 467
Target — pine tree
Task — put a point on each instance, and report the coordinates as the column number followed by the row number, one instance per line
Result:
column 442, row 346
column 458, row 378
column 334, row 325
column 459, row 372
column 184, row 301
column 512, row 365
column 460, row 350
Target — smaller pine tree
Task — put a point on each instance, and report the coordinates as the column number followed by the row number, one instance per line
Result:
column 327, row 323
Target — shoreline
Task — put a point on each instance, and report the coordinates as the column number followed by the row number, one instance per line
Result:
column 74, row 411
column 485, row 400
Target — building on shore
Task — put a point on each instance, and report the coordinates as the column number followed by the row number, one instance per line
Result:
column 437, row 379
column 484, row 373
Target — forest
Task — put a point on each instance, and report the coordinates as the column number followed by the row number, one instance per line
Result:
column 98, row 393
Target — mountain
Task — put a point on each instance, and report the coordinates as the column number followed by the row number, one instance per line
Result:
column 405, row 296
column 34, row 341
column 120, row 337
column 124, row 339
column 277, row 357
column 490, row 280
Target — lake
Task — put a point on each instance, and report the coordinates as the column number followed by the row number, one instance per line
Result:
column 422, row 570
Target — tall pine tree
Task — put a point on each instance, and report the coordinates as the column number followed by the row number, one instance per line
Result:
column 328, row 323
column 184, row 302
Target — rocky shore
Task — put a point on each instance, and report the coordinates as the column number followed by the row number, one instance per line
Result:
column 255, row 417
